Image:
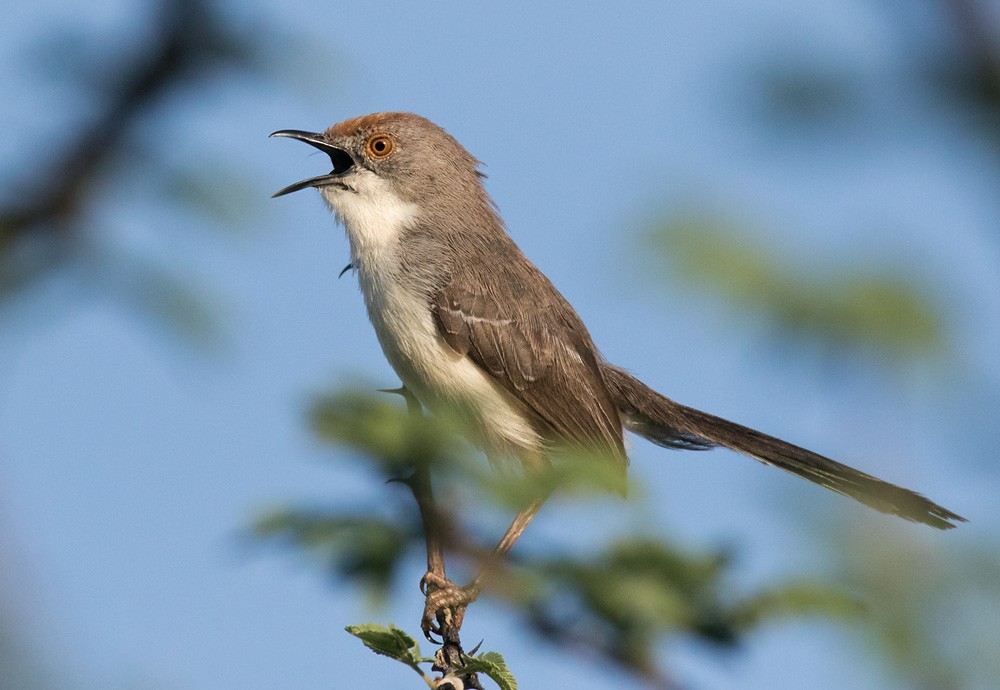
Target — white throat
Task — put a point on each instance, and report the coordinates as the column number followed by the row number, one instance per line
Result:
column 374, row 217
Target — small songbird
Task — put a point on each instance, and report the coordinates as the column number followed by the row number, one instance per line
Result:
column 469, row 324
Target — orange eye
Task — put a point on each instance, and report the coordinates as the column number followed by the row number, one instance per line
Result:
column 379, row 146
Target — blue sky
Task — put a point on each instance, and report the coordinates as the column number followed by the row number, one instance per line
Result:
column 130, row 460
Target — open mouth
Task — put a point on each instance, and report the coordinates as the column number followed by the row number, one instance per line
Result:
column 341, row 159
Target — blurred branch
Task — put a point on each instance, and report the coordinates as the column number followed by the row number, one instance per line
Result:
column 44, row 225
column 188, row 36
column 978, row 39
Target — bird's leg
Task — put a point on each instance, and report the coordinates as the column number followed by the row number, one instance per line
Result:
column 507, row 541
column 435, row 579
column 445, row 602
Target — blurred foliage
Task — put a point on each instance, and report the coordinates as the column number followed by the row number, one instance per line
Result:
column 375, row 426
column 624, row 601
column 355, row 546
column 399, row 442
column 868, row 310
column 621, row 603
column 933, row 608
column 366, row 544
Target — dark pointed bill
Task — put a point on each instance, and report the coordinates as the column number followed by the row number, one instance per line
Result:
column 342, row 161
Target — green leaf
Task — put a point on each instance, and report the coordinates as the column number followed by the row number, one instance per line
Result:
column 391, row 642
column 494, row 666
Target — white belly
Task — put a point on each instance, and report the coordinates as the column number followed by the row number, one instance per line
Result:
column 443, row 380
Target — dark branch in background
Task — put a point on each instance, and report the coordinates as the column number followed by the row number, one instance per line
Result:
column 979, row 41
column 188, row 40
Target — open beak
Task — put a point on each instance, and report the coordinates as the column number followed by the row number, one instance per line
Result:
column 341, row 159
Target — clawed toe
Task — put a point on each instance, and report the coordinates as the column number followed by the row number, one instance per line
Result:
column 431, row 581
column 444, row 604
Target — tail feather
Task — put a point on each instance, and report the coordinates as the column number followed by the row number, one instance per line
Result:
column 670, row 424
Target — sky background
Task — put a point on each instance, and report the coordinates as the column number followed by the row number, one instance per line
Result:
column 133, row 457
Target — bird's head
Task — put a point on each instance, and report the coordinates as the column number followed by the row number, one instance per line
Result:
column 398, row 154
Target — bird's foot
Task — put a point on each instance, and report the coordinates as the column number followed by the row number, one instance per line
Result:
column 444, row 604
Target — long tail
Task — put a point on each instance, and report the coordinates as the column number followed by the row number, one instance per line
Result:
column 670, row 424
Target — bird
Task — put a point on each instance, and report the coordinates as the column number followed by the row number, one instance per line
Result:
column 468, row 323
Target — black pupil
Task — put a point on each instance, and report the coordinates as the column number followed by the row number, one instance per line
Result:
column 379, row 146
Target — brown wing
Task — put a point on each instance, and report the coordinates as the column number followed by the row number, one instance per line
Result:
column 537, row 349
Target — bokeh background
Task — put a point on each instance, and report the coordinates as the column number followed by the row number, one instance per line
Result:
column 784, row 213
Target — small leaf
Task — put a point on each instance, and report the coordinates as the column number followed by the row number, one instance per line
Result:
column 493, row 665
column 391, row 642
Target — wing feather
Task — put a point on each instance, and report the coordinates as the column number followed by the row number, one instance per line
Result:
column 540, row 352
